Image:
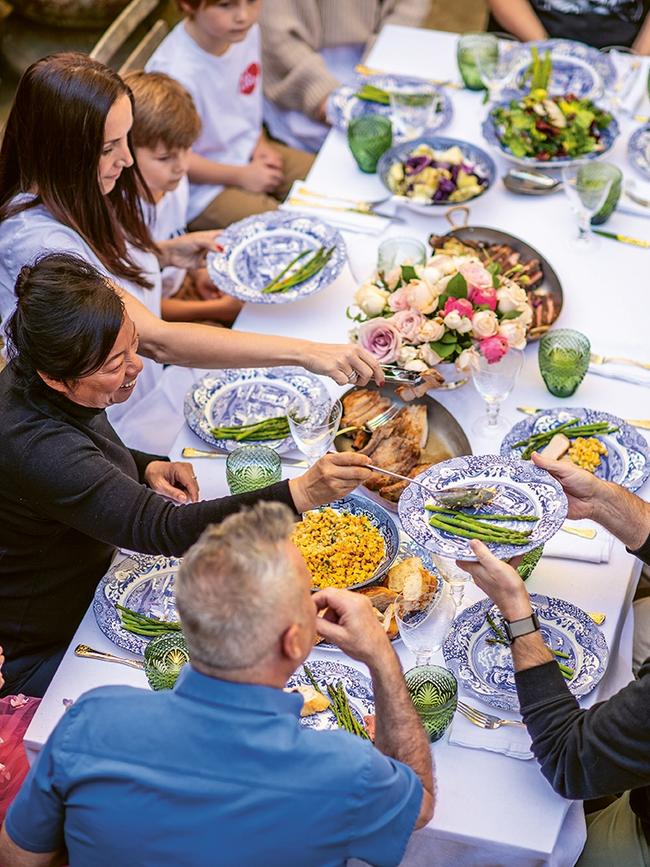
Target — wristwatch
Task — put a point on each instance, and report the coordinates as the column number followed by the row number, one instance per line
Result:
column 517, row 628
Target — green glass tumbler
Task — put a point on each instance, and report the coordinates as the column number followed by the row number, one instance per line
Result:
column 249, row 468
column 613, row 196
column 470, row 47
column 434, row 693
column 369, row 137
column 164, row 657
column 563, row 360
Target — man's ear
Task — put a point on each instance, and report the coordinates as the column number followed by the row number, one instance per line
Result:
column 291, row 644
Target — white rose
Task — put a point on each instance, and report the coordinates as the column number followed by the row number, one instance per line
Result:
column 417, row 364
column 432, row 330
column 514, row 332
column 468, row 360
column 421, row 296
column 429, row 356
column 525, row 314
column 393, row 277
column 438, row 266
column 511, row 296
column 371, row 299
column 406, row 354
column 484, row 324
column 455, row 322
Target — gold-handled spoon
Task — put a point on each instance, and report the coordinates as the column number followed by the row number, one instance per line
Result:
column 584, row 533
column 90, row 653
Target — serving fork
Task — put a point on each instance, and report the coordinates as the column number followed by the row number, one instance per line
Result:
column 595, row 358
column 485, row 720
column 376, row 422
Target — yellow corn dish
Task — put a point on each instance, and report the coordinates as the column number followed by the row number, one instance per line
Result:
column 339, row 549
column 586, row 452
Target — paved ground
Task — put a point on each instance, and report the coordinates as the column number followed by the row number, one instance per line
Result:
column 459, row 15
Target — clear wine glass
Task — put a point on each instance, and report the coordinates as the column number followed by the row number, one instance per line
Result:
column 313, row 429
column 587, row 187
column 495, row 68
column 455, row 577
column 411, row 107
column 424, row 622
column 494, row 382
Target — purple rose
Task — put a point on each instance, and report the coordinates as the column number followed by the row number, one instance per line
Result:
column 408, row 323
column 381, row 338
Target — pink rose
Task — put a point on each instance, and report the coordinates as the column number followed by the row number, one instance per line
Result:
column 461, row 305
column 476, row 275
column 408, row 323
column 381, row 338
column 399, row 300
column 483, row 295
column 494, row 348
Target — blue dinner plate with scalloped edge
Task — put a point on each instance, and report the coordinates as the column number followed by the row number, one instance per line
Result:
column 485, row 670
column 628, row 460
column 638, row 150
column 356, row 684
column 343, row 104
column 577, row 68
column 523, row 489
column 244, row 396
column 256, row 250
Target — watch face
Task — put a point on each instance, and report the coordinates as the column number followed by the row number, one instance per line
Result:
column 522, row 627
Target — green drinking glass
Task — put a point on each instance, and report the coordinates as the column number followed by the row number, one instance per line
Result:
column 164, row 657
column 249, row 468
column 369, row 137
column 563, row 360
column 471, row 47
column 434, row 693
column 613, row 196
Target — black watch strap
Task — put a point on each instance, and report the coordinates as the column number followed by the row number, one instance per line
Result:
column 517, row 628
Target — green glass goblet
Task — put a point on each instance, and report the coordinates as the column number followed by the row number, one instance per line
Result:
column 471, row 47
column 164, row 657
column 369, row 137
column 434, row 693
column 249, row 468
column 563, row 360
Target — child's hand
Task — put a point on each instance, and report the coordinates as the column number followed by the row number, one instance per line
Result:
column 257, row 177
column 267, row 154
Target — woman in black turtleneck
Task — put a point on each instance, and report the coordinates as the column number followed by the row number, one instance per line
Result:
column 70, row 491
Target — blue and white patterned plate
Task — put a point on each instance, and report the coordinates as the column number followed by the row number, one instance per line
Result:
column 638, row 150
column 238, row 396
column 145, row 584
column 474, row 156
column 256, row 249
column 357, row 686
column 343, row 105
column 491, row 135
column 379, row 518
column 577, row 68
column 628, row 460
column 485, row 670
column 524, row 489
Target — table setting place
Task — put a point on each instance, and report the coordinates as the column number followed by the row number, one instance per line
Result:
column 405, row 240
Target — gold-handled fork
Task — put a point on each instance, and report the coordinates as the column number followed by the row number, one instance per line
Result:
column 595, row 358
column 485, row 720
column 90, row 653
column 190, row 452
column 439, row 82
column 641, row 423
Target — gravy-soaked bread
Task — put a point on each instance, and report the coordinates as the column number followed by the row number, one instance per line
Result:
column 411, row 578
column 380, row 597
column 314, row 701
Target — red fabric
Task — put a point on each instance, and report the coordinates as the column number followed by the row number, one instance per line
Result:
column 16, row 713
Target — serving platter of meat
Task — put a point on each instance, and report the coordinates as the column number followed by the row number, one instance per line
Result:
column 516, row 258
column 422, row 433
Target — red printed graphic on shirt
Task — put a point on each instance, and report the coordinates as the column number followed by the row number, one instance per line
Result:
column 248, row 78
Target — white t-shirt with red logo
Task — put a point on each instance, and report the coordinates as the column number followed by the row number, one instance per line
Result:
column 168, row 219
column 227, row 92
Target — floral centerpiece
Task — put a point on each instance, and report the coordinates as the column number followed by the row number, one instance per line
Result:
column 448, row 310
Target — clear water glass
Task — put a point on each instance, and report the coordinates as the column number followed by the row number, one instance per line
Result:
column 563, row 360
column 412, row 104
column 424, row 622
column 470, row 47
column 394, row 252
column 494, row 382
column 455, row 577
column 495, row 69
column 249, row 468
column 587, row 187
column 313, row 428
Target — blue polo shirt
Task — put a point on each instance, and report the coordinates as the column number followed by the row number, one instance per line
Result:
column 211, row 773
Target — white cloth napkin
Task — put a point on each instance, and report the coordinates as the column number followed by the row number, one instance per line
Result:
column 626, row 372
column 513, row 741
column 572, row 547
column 633, row 86
column 367, row 224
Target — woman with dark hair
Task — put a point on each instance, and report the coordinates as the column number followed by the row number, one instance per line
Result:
column 70, row 491
column 68, row 183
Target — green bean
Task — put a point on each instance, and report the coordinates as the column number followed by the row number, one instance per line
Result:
column 300, row 256
column 312, row 679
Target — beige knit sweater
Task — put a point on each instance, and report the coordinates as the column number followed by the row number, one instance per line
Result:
column 294, row 31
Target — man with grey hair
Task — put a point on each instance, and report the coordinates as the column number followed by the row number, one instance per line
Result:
column 219, row 770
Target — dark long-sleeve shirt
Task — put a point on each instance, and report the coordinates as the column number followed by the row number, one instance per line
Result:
column 71, row 493
column 589, row 753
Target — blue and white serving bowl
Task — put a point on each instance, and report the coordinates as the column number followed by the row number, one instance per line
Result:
column 577, row 68
column 343, row 104
column 638, row 150
column 523, row 489
column 627, row 461
column 244, row 396
column 255, row 250
column 356, row 684
column 484, row 669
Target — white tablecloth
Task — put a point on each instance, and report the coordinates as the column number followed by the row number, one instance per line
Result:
column 491, row 810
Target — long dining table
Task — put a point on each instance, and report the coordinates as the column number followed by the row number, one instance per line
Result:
column 491, row 809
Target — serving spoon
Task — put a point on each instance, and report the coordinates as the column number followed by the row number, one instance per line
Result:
column 530, row 183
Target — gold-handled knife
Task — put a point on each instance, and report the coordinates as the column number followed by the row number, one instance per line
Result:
column 439, row 82
column 622, row 239
column 189, row 452
column 641, row 423
column 90, row 653
column 584, row 532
